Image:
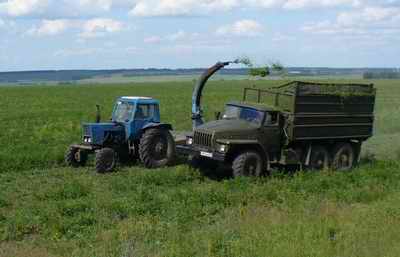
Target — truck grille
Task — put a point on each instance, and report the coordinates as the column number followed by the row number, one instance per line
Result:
column 203, row 139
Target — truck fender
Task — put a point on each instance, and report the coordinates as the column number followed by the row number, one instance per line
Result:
column 157, row 125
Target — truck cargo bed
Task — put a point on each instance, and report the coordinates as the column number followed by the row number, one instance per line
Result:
column 315, row 111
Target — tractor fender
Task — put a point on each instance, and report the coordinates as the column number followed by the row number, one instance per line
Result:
column 157, row 125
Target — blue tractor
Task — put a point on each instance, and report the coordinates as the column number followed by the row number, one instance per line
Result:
column 134, row 132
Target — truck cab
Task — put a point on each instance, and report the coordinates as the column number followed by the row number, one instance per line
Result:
column 242, row 126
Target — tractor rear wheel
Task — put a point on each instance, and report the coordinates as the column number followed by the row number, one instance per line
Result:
column 106, row 160
column 248, row 164
column 76, row 157
column 344, row 157
column 157, row 148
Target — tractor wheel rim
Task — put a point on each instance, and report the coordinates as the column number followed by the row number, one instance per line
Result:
column 160, row 148
column 77, row 156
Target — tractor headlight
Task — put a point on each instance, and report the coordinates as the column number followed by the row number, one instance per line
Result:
column 189, row 141
column 87, row 139
column 222, row 148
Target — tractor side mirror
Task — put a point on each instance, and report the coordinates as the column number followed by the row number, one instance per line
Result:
column 218, row 115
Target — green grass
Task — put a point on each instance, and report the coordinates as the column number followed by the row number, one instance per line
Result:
column 49, row 210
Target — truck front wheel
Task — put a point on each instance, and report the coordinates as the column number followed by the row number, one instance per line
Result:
column 343, row 156
column 106, row 160
column 157, row 148
column 248, row 164
column 76, row 157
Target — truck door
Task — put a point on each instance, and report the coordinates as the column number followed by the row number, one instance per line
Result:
column 270, row 132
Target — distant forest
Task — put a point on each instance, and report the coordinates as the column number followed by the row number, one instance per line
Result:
column 76, row 75
column 382, row 75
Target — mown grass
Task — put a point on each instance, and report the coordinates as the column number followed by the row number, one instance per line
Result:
column 48, row 210
column 178, row 212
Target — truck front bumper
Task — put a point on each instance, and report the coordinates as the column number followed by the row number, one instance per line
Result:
column 200, row 152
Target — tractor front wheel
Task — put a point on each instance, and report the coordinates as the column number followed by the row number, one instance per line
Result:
column 157, row 148
column 106, row 160
column 75, row 157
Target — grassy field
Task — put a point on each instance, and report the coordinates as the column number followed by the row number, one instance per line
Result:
column 49, row 210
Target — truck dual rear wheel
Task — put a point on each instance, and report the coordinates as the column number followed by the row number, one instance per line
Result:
column 157, row 148
column 320, row 158
column 248, row 164
column 343, row 157
column 76, row 157
column 106, row 160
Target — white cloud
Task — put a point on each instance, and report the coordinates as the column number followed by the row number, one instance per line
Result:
column 241, row 28
column 153, row 40
column 100, row 26
column 195, row 7
column 23, row 7
column 299, row 4
column 363, row 21
column 180, row 7
column 50, row 27
column 101, row 4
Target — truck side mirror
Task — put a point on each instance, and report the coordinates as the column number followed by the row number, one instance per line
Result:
column 217, row 115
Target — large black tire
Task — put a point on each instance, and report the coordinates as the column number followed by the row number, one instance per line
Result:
column 76, row 157
column 320, row 158
column 248, row 164
column 157, row 148
column 343, row 157
column 106, row 160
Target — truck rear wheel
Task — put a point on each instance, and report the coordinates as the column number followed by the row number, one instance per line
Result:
column 320, row 158
column 75, row 157
column 106, row 160
column 343, row 156
column 157, row 148
column 248, row 164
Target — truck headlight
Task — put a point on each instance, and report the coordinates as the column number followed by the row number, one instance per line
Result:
column 223, row 148
column 189, row 141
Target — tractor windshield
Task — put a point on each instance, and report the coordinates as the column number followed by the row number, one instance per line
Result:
column 233, row 112
column 123, row 112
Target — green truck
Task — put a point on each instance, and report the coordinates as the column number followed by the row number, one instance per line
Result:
column 313, row 125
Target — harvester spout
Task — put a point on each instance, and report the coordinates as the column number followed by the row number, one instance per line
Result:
column 197, row 113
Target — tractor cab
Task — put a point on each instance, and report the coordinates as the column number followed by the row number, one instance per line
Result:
column 134, row 113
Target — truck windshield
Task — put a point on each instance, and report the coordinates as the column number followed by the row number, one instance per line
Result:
column 242, row 113
column 123, row 112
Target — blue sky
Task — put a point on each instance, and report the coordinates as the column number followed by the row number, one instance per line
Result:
column 109, row 34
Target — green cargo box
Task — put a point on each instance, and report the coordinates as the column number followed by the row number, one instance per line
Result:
column 315, row 111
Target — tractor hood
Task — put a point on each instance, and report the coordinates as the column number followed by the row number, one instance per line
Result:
column 101, row 133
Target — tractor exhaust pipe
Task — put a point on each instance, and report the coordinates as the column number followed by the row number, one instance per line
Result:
column 98, row 114
column 197, row 113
